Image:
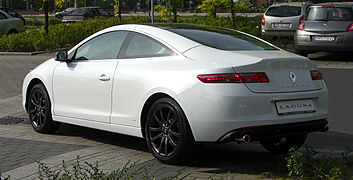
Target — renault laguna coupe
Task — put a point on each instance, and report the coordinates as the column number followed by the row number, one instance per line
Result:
column 176, row 85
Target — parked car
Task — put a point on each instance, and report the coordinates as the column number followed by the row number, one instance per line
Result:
column 10, row 24
column 282, row 19
column 176, row 84
column 83, row 13
column 13, row 13
column 327, row 27
column 65, row 12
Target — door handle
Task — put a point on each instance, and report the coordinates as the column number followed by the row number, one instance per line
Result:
column 104, row 77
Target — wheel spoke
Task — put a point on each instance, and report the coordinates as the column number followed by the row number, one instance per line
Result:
column 168, row 116
column 33, row 116
column 166, row 146
column 31, row 111
column 160, row 145
column 171, row 142
column 158, row 121
column 155, row 129
column 161, row 114
column 33, row 101
column 157, row 137
column 174, row 133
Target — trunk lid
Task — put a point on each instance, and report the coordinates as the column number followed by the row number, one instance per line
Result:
column 286, row 74
column 281, row 68
column 327, row 26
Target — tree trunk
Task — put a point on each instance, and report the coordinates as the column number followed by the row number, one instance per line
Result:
column 174, row 11
column 232, row 13
column 119, row 9
column 46, row 19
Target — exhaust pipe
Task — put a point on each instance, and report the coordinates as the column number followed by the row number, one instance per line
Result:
column 325, row 129
column 244, row 139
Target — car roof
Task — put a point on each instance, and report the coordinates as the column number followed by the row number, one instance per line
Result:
column 291, row 3
column 172, row 40
column 335, row 4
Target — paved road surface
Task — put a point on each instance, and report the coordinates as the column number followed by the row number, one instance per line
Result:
column 21, row 146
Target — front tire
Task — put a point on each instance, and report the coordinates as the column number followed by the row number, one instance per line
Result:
column 168, row 134
column 282, row 145
column 39, row 110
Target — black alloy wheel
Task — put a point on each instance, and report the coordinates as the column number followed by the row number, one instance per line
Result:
column 282, row 145
column 39, row 110
column 168, row 133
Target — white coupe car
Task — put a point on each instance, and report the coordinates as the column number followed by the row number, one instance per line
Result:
column 177, row 84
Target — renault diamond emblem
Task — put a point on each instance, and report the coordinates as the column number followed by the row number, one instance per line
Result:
column 292, row 77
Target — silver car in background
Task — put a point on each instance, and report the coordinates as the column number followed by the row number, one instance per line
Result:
column 9, row 24
column 327, row 27
column 282, row 19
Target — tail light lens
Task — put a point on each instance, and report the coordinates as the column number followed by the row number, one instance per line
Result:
column 263, row 21
column 301, row 26
column 316, row 75
column 301, row 19
column 350, row 28
column 256, row 77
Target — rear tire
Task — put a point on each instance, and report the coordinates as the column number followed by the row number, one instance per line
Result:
column 12, row 31
column 302, row 52
column 168, row 134
column 282, row 145
column 39, row 110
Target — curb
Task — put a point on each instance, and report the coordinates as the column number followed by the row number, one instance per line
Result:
column 28, row 53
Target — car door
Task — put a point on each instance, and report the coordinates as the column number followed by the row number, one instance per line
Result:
column 137, row 60
column 82, row 88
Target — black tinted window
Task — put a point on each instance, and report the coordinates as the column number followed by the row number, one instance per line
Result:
column 106, row 46
column 330, row 14
column 223, row 39
column 284, row 11
column 143, row 46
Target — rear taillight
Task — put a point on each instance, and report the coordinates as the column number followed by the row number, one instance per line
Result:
column 263, row 21
column 316, row 75
column 301, row 19
column 301, row 26
column 256, row 77
column 350, row 28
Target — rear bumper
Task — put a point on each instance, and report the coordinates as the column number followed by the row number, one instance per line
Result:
column 281, row 33
column 278, row 130
column 214, row 110
column 343, row 42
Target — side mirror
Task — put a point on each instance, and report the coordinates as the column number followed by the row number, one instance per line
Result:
column 61, row 56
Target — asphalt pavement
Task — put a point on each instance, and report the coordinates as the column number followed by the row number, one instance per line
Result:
column 21, row 146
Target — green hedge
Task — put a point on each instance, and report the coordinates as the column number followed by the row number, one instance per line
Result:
column 67, row 35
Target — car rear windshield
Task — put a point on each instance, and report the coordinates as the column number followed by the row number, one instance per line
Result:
column 284, row 11
column 223, row 39
column 330, row 14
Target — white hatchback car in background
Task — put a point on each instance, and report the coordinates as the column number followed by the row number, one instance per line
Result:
column 9, row 24
column 177, row 84
column 282, row 19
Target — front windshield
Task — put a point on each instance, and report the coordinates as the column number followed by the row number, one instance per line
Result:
column 330, row 14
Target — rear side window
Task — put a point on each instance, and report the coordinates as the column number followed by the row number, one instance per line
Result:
column 140, row 46
column 329, row 14
column 223, row 39
column 284, row 11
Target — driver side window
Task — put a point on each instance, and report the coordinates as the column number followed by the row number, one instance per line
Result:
column 105, row 46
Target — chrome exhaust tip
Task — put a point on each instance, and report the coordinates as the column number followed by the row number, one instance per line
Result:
column 245, row 139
